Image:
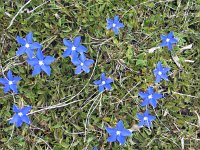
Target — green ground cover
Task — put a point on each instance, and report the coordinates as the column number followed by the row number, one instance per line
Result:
column 124, row 57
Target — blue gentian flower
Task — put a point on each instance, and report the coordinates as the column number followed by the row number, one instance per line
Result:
column 95, row 148
column 20, row 115
column 74, row 48
column 104, row 83
column 28, row 45
column 150, row 97
column 145, row 119
column 82, row 64
column 160, row 72
column 119, row 133
column 114, row 24
column 10, row 83
column 41, row 63
column 168, row 40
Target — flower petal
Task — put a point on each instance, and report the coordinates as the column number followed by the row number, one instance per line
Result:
column 26, row 109
column 126, row 132
column 39, row 54
column 112, row 138
column 67, row 52
column 15, row 108
column 103, row 77
column 25, row 119
column 163, row 44
column 116, row 19
column 29, row 37
column 89, row 62
column 29, row 52
column 3, row 81
column 67, row 43
column 6, row 88
column 16, row 79
column 77, row 41
column 48, row 60
column 9, row 75
column 108, row 86
column 14, row 119
column 169, row 45
column 35, row 45
column 32, row 62
column 143, row 94
column 96, row 82
column 158, row 78
column 14, row 88
column 120, row 125
column 78, row 70
column 19, row 122
column 163, row 37
column 170, row 35
column 21, row 41
column 145, row 102
column 109, row 26
column 37, row 69
column 109, row 21
column 101, row 88
column 157, row 96
column 109, row 80
column 21, row 50
column 150, row 90
column 86, row 69
column 111, row 130
column 121, row 139
column 81, row 49
column 46, row 69
column 116, row 30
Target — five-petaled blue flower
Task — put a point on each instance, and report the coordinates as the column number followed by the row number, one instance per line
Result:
column 82, row 64
column 114, row 24
column 28, row 45
column 10, row 83
column 119, row 133
column 104, row 83
column 145, row 119
column 150, row 97
column 41, row 63
column 73, row 49
column 168, row 40
column 20, row 115
column 160, row 72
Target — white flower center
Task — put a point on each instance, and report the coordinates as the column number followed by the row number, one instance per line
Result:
column 10, row 82
column 150, row 97
column 41, row 63
column 145, row 118
column 27, row 45
column 103, row 82
column 118, row 132
column 114, row 25
column 82, row 64
column 73, row 48
column 160, row 73
column 167, row 40
column 20, row 114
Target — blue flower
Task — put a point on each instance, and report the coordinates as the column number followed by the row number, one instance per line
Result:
column 95, row 148
column 119, row 133
column 150, row 97
column 145, row 119
column 10, row 83
column 82, row 64
column 168, row 40
column 114, row 24
column 41, row 63
column 104, row 83
column 20, row 115
column 73, row 48
column 28, row 45
column 160, row 72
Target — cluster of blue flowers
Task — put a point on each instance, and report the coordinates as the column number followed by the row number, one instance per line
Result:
column 76, row 51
